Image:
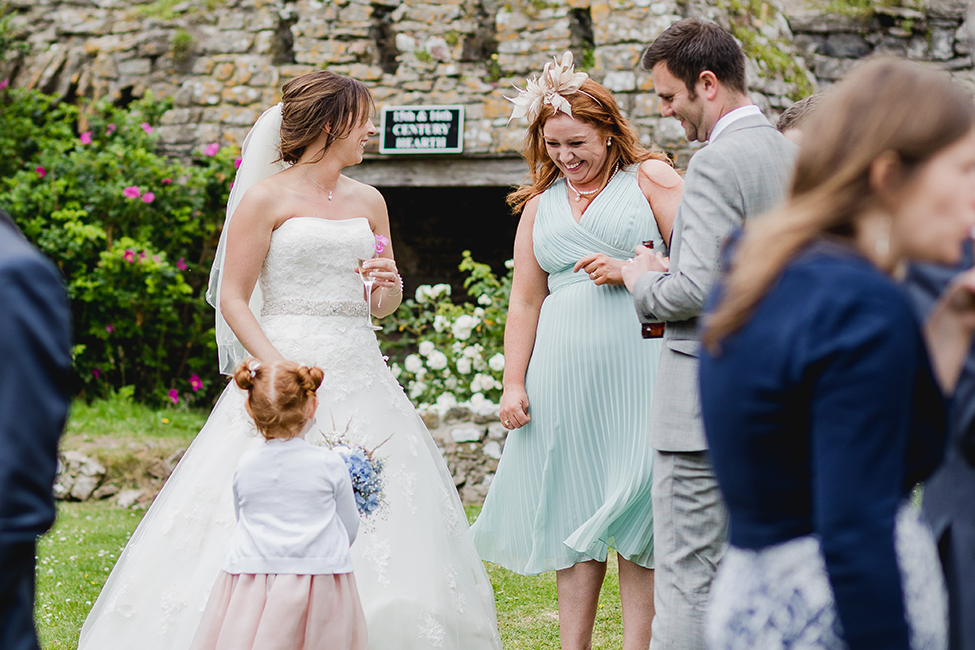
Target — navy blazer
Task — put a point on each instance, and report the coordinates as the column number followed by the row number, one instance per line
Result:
column 35, row 359
column 949, row 495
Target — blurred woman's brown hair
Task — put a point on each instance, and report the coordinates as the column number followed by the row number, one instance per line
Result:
column 278, row 395
column 320, row 101
column 884, row 106
column 597, row 108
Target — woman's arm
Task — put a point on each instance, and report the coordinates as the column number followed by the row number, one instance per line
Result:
column 248, row 241
column 387, row 292
column 662, row 186
column 529, row 286
column 948, row 331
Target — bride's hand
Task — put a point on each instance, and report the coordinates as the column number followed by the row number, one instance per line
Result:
column 384, row 273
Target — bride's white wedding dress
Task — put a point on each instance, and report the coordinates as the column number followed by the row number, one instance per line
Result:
column 421, row 581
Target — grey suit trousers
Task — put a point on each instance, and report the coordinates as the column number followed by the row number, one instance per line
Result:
column 690, row 524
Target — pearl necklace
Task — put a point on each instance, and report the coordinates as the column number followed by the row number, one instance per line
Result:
column 588, row 193
column 313, row 181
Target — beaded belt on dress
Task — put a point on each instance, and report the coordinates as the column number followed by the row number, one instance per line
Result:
column 298, row 307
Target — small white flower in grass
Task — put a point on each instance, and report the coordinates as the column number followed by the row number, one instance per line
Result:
column 485, row 300
column 416, row 389
column 496, row 362
column 426, row 347
column 413, row 364
column 464, row 366
column 437, row 360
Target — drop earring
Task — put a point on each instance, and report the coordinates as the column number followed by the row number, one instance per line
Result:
column 609, row 142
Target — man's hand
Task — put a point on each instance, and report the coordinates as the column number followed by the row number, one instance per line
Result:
column 645, row 260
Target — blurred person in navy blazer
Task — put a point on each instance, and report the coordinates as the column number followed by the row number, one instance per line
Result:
column 949, row 495
column 35, row 359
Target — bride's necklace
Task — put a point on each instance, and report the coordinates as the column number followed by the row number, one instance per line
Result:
column 313, row 181
column 584, row 193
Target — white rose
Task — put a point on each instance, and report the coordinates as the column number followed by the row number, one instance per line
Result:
column 485, row 300
column 426, row 347
column 422, row 293
column 421, row 373
column 440, row 323
column 396, row 370
column 478, row 312
column 496, row 362
column 413, row 364
column 464, row 366
column 473, row 351
column 509, row 264
column 437, row 360
column 438, row 290
column 416, row 389
column 451, row 383
column 463, row 327
column 481, row 383
column 446, row 400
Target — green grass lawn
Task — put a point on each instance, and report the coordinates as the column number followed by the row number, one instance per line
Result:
column 75, row 557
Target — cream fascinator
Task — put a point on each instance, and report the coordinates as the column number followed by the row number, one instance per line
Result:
column 557, row 81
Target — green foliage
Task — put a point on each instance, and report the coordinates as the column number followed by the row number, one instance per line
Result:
column 182, row 45
column 746, row 17
column 132, row 231
column 445, row 352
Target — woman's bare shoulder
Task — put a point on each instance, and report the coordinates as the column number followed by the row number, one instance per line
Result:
column 660, row 173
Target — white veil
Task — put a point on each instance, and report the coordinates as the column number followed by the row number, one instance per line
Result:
column 261, row 146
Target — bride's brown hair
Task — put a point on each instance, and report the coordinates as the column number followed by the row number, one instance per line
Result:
column 278, row 395
column 594, row 105
column 320, row 101
column 884, row 106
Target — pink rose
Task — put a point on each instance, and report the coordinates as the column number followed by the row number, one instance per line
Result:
column 129, row 255
column 41, row 171
column 148, row 197
column 86, row 137
column 166, row 181
column 110, row 328
column 211, row 149
column 195, row 383
column 97, row 372
column 142, row 256
column 132, row 192
column 237, row 163
column 173, row 395
column 110, row 129
column 181, row 264
column 4, row 83
column 155, row 258
column 147, row 128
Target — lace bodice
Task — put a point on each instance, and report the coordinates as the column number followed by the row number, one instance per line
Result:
column 309, row 267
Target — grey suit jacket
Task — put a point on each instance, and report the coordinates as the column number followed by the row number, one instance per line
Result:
column 742, row 173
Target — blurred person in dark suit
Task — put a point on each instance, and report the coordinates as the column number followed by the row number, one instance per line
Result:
column 949, row 495
column 35, row 359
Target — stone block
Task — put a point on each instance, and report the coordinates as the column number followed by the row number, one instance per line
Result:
column 126, row 26
column 947, row 8
column 230, row 21
column 466, row 433
column 846, row 46
column 891, row 46
column 620, row 81
column 818, row 23
column 830, row 68
column 241, row 95
column 942, row 46
column 264, row 42
column 237, row 116
column 180, row 116
column 198, row 91
column 962, row 45
column 155, row 43
column 129, row 498
column 917, row 49
column 229, row 42
column 134, row 67
column 492, row 449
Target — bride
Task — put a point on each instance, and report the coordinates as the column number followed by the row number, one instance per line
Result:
column 285, row 287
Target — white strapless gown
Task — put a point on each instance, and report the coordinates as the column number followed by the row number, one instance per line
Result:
column 421, row 581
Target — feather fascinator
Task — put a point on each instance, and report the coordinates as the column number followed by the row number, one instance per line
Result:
column 557, row 81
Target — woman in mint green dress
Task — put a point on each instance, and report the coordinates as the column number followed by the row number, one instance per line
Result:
column 574, row 478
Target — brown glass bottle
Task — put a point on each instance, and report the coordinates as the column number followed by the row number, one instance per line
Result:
column 652, row 330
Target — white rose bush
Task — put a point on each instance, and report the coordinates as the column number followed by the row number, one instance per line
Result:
column 448, row 350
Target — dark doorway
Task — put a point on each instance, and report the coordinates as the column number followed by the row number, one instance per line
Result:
column 432, row 226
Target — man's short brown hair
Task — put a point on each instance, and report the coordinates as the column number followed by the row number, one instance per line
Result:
column 693, row 45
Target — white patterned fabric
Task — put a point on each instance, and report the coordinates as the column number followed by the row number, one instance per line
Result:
column 780, row 597
column 421, row 582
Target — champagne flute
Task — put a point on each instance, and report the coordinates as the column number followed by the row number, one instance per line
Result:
column 368, row 281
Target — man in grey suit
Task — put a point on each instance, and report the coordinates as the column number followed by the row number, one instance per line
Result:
column 698, row 70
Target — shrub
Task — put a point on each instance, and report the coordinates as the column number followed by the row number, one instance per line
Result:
column 132, row 231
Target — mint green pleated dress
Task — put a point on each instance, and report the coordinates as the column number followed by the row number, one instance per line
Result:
column 575, row 481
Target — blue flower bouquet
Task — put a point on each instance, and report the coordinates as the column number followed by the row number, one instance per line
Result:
column 365, row 469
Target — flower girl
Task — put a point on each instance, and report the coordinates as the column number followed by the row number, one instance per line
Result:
column 287, row 580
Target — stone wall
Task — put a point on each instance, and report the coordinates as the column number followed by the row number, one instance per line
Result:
column 223, row 61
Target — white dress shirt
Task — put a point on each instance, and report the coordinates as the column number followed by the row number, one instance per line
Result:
column 296, row 512
column 731, row 116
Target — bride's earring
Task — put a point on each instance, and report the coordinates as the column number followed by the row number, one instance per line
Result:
column 609, row 141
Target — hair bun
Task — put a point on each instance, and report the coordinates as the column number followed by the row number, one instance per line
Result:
column 310, row 378
column 244, row 374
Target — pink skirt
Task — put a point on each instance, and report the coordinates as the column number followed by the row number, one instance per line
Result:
column 282, row 612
